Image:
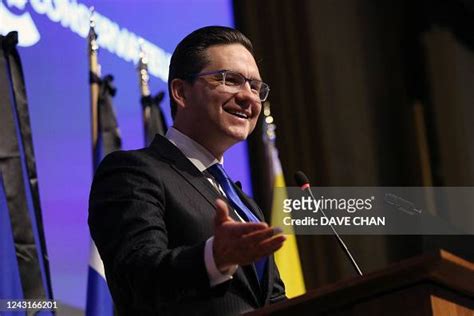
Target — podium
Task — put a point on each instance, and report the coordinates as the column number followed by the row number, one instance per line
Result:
column 431, row 284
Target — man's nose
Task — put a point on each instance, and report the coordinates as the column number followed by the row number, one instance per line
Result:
column 247, row 93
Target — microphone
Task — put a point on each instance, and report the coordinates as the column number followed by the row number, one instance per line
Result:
column 303, row 182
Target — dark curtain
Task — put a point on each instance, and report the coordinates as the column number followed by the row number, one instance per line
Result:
column 360, row 97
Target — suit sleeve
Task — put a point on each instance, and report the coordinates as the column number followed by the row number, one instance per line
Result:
column 127, row 222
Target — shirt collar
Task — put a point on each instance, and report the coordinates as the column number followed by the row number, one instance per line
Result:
column 199, row 156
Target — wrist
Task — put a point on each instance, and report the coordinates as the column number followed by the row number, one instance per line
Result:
column 215, row 276
column 221, row 265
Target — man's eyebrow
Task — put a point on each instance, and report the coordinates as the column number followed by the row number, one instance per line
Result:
column 238, row 72
column 254, row 78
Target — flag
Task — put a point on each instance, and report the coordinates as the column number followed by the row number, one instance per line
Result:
column 105, row 139
column 99, row 300
column 10, row 282
column 17, row 164
column 287, row 257
column 154, row 121
column 153, row 118
column 109, row 138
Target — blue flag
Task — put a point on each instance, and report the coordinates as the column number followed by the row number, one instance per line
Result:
column 99, row 301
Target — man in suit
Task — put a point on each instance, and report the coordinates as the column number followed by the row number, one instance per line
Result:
column 169, row 242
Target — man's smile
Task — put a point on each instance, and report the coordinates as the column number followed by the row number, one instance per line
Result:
column 238, row 113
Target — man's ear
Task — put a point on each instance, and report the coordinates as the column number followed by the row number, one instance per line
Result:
column 178, row 87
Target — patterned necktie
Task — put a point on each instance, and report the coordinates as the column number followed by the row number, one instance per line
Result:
column 223, row 179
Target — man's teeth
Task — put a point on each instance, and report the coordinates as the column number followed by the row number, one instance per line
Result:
column 238, row 113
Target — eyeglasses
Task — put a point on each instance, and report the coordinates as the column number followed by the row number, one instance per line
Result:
column 234, row 81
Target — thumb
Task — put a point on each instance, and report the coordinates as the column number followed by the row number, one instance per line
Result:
column 222, row 212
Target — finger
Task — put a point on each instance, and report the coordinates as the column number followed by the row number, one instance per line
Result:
column 272, row 244
column 264, row 249
column 271, row 250
column 222, row 212
column 242, row 229
column 260, row 235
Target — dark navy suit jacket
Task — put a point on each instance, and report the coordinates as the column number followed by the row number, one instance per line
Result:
column 150, row 214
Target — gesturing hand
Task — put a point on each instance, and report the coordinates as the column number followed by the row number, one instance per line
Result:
column 241, row 243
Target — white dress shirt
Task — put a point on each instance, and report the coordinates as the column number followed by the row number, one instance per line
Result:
column 202, row 159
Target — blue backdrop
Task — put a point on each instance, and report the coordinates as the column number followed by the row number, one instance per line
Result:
column 54, row 55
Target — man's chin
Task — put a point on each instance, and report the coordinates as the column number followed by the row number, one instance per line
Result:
column 240, row 135
column 236, row 137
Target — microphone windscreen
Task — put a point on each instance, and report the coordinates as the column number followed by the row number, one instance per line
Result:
column 301, row 179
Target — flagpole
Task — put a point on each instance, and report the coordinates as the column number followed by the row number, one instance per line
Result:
column 94, row 74
column 98, row 301
column 154, row 121
column 145, row 94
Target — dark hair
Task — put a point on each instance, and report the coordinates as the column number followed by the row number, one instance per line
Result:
column 189, row 57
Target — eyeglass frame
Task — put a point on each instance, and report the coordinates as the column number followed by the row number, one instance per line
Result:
column 223, row 72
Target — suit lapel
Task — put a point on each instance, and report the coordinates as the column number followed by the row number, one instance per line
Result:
column 178, row 161
column 199, row 182
column 251, row 205
column 260, row 287
column 184, row 168
column 267, row 284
